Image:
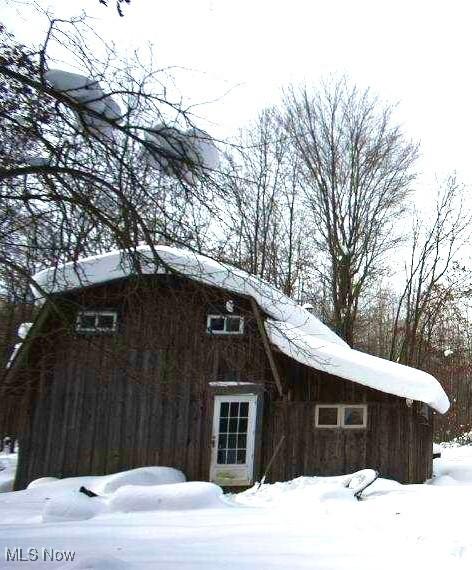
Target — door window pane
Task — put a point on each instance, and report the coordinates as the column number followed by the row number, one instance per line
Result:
column 223, row 425
column 243, row 425
column 242, row 441
column 232, row 441
column 233, row 425
column 241, row 456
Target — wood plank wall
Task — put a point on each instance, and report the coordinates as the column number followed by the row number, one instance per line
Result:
column 141, row 397
column 383, row 445
column 106, row 403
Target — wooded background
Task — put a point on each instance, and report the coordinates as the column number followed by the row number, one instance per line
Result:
column 316, row 196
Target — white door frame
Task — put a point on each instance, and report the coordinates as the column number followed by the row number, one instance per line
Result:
column 234, row 474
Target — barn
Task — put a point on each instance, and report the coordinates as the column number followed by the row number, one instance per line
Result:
column 187, row 362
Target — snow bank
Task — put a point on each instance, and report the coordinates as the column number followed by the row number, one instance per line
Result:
column 295, row 331
column 454, row 467
column 107, row 484
column 142, row 489
column 182, row 496
column 73, row 507
column 42, row 481
column 140, row 477
column 134, row 491
column 300, row 492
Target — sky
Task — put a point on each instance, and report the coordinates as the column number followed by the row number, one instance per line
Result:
column 240, row 54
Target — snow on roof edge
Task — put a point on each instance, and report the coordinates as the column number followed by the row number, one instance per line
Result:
column 360, row 367
column 116, row 264
column 295, row 331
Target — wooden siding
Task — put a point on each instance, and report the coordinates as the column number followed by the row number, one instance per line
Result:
column 141, row 396
column 397, row 440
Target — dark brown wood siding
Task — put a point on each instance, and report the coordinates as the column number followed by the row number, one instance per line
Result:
column 397, row 440
column 141, row 396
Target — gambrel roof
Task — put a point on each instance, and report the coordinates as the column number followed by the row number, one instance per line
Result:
column 291, row 328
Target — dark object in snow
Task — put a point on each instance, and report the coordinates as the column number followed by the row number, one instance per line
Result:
column 87, row 492
column 360, row 480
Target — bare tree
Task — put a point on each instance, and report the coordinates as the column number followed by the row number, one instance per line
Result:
column 357, row 171
column 104, row 165
column 433, row 277
column 263, row 223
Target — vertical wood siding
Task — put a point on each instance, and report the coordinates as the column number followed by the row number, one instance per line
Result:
column 141, row 396
column 397, row 440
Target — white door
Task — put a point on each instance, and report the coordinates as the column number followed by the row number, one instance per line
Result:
column 232, row 456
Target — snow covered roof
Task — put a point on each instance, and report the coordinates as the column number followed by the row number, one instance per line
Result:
column 290, row 327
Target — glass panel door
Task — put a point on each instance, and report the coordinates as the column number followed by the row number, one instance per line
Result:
column 233, row 439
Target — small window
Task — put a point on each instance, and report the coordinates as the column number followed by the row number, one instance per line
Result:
column 327, row 416
column 225, row 324
column 96, row 321
column 354, row 416
column 341, row 415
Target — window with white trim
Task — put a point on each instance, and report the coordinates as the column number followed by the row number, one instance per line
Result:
column 96, row 321
column 347, row 416
column 225, row 324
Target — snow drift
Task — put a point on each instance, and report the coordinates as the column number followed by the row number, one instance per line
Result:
column 295, row 331
column 107, row 484
column 180, row 496
column 74, row 506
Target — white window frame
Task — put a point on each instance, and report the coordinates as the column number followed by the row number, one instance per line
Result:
column 341, row 409
column 96, row 314
column 361, row 406
column 226, row 318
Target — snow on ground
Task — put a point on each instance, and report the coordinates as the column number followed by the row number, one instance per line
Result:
column 152, row 519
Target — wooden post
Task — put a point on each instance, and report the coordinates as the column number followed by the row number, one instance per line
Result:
column 267, row 348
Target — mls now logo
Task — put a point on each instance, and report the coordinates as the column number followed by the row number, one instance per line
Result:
column 38, row 554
